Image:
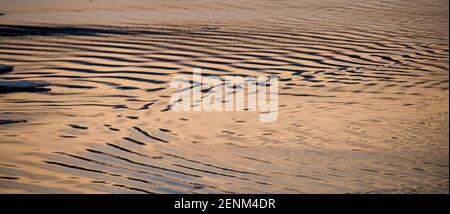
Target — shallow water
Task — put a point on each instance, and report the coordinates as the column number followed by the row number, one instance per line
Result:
column 363, row 97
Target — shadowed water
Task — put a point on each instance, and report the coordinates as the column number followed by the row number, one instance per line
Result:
column 363, row 98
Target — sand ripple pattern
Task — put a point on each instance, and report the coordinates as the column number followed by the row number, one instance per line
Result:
column 363, row 104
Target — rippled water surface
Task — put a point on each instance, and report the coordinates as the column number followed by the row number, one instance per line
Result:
column 363, row 97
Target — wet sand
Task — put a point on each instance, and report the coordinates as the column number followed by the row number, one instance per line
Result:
column 363, row 103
